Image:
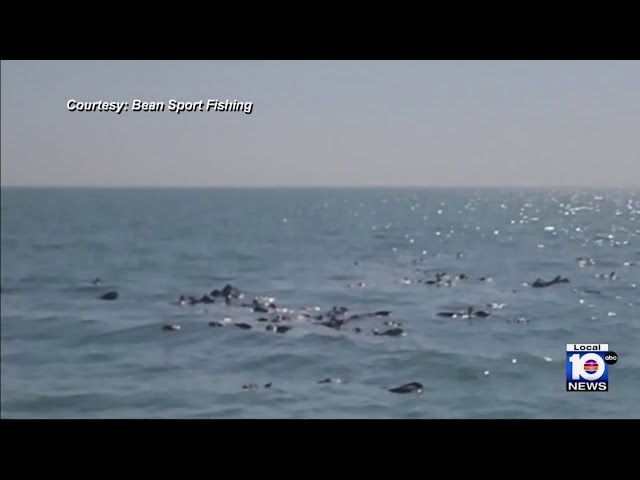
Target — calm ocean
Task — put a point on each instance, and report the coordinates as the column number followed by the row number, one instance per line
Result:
column 66, row 353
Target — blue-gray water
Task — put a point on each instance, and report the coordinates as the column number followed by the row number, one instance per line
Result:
column 66, row 353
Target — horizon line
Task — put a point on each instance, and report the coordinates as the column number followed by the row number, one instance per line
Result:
column 244, row 186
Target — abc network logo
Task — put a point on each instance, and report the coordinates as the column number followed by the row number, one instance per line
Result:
column 588, row 367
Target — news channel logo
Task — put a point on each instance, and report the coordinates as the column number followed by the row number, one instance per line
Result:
column 588, row 367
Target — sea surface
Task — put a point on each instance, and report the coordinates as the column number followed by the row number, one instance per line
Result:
column 66, row 353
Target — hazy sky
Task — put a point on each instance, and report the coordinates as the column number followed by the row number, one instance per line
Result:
column 338, row 123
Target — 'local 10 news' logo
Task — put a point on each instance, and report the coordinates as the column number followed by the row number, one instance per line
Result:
column 588, row 367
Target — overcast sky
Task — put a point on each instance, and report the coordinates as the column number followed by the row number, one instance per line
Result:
column 395, row 123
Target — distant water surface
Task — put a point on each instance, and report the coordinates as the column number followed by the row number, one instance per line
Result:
column 68, row 354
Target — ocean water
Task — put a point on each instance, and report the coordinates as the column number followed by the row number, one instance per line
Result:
column 66, row 353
